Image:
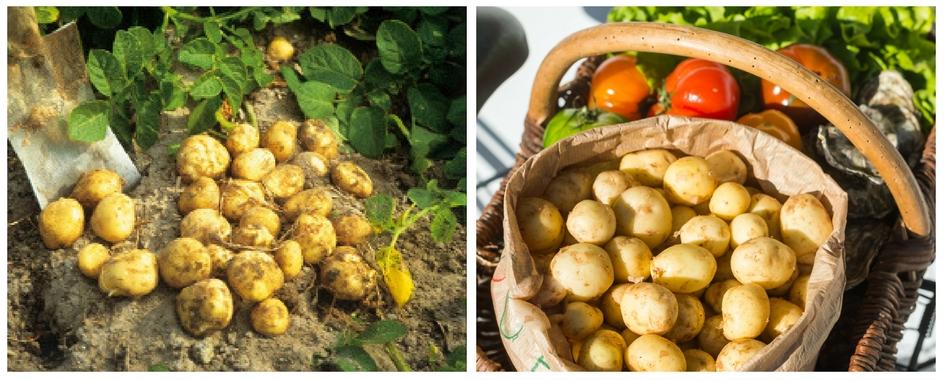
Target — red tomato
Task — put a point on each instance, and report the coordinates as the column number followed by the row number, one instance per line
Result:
column 817, row 60
column 619, row 87
column 700, row 88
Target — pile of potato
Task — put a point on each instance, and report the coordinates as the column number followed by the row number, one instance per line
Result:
column 237, row 198
column 669, row 264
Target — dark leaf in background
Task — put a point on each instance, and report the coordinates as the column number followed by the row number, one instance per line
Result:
column 104, row 17
column 367, row 131
column 398, row 45
column 202, row 117
column 383, row 331
column 428, row 106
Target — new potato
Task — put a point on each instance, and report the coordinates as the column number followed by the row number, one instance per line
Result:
column 316, row 137
column 353, row 179
column 651, row 352
column 591, row 222
column 783, row 315
column 280, row 49
column 290, row 259
column 745, row 227
column 315, row 235
column 602, row 351
column 238, row 196
column 767, row 207
column 584, row 270
column 730, row 199
column 711, row 337
column 610, row 305
column 61, row 223
column 95, row 185
column 254, row 275
column 205, row 225
column 183, row 262
column 205, row 307
column 688, row 181
column 647, row 166
column 352, row 229
column 698, row 361
column 253, row 165
column 220, row 257
column 726, row 166
column 708, row 232
column 91, row 258
column 691, row 318
column 201, row 156
column 715, row 293
column 270, row 317
column 241, row 139
column 798, row 291
column 643, row 213
column 129, row 274
column 347, row 275
column 649, row 308
column 805, row 225
column 113, row 218
column 314, row 165
column 568, row 188
column 203, row 192
column 736, row 353
column 262, row 216
column 280, row 139
column 580, row 320
column 746, row 310
column 540, row 224
column 610, row 184
column 284, row 181
column 631, row 259
column 763, row 261
column 315, row 201
column 683, row 268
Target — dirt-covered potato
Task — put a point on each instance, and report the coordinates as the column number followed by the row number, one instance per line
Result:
column 238, row 196
column 201, row 156
column 631, row 259
column 205, row 307
column 683, row 268
column 345, row 273
column 540, row 224
column 314, row 165
column 241, row 139
column 183, row 262
column 351, row 178
column 715, row 293
column 315, row 201
column 220, row 257
column 552, row 292
column 280, row 139
column 316, row 236
column 203, row 192
column 129, row 274
column 768, row 208
column 253, row 165
column 763, row 261
column 745, row 227
column 584, row 270
column 698, row 361
column 351, row 229
column 708, row 232
column 643, row 213
column 730, row 199
column 805, row 225
column 91, row 258
column 290, row 259
column 610, row 305
column 252, row 236
column 568, row 188
column 745, row 309
column 798, row 291
column 95, row 185
column 254, row 275
column 783, row 315
column 205, row 225
column 280, row 49
column 647, row 166
column 610, row 184
column 317, row 137
column 726, row 166
column 284, row 181
column 580, row 320
column 653, row 353
column 262, row 216
column 270, row 317
column 649, row 308
column 61, row 223
column 602, row 351
column 113, row 218
column 736, row 353
column 711, row 337
column 691, row 318
column 591, row 222
column 688, row 181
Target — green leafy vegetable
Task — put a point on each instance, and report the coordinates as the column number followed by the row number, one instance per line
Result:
column 570, row 121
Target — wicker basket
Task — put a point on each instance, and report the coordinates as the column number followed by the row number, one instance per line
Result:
column 874, row 313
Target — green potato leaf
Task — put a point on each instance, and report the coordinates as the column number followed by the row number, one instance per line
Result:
column 88, row 121
column 398, row 45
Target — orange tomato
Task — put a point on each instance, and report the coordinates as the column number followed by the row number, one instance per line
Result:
column 618, row 86
column 817, row 60
column 776, row 124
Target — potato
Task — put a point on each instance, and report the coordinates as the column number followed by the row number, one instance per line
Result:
column 691, row 318
column 602, row 351
column 201, row 156
column 316, row 137
column 91, row 258
column 805, row 225
column 610, row 305
column 280, row 138
column 629, row 336
column 262, row 216
column 768, row 208
column 783, row 315
column 290, row 259
column 688, row 181
column 552, row 292
column 352, row 229
column 345, row 273
column 575, row 346
column 113, row 218
column 129, row 274
column 745, row 309
column 284, row 181
column 316, row 236
column 653, row 353
column 61, row 223
column 711, row 337
column 784, row 290
column 647, row 166
column 253, row 165
column 736, row 353
column 315, row 201
column 203, row 192
column 270, row 317
column 631, row 259
column 698, row 361
column 205, row 307
column 684, row 268
column 580, row 320
column 314, row 165
column 253, row 236
column 610, row 184
column 715, row 293
column 726, row 166
column 280, row 49
column 220, row 257
column 238, row 196
column 591, row 222
column 584, row 270
column 643, row 213
column 680, row 216
column 183, row 262
column 798, row 291
column 254, row 275
column 724, row 268
column 745, row 227
column 649, row 308
column 95, row 185
column 205, row 225
column 702, row 208
column 763, row 261
column 708, row 232
column 729, row 200
column 540, row 224
column 241, row 139
column 353, row 179
column 568, row 188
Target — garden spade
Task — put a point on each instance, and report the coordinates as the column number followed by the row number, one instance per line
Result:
column 46, row 80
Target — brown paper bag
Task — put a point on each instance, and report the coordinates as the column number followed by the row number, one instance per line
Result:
column 778, row 169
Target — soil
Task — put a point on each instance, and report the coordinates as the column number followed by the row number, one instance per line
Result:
column 59, row 320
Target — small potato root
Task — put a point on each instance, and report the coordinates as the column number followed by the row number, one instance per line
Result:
column 805, row 225
column 708, row 232
column 280, row 139
column 730, row 199
column 205, row 307
column 113, row 218
column 270, row 317
column 290, row 259
column 201, row 156
column 736, row 353
column 61, row 223
column 568, row 188
column 353, row 179
column 643, row 213
column 241, row 139
column 653, row 353
column 584, row 270
column 591, row 222
column 798, row 291
column 205, row 225
column 610, row 184
column 220, row 257
column 352, row 229
column 726, row 166
column 711, row 337
column 254, row 275
column 284, row 181
column 345, row 273
column 763, row 261
column 647, row 166
column 315, row 201
column 684, row 268
column 540, row 224
column 183, row 262
column 580, row 320
column 129, row 274
column 698, row 361
column 253, row 165
column 649, row 308
column 317, row 137
column 95, row 185
column 745, row 227
column 783, row 315
column 688, row 181
column 280, row 49
column 239, row 196
column 91, row 258
column 602, row 351
column 631, row 259
column 203, row 192
column 316, row 236
column 746, row 310
column 691, row 318
column 262, row 216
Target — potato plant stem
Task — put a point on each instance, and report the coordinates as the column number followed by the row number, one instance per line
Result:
column 189, row 17
column 251, row 112
column 397, row 357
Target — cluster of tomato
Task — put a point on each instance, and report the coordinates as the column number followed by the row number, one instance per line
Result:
column 701, row 88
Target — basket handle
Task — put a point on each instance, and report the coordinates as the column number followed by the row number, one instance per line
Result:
column 748, row 56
